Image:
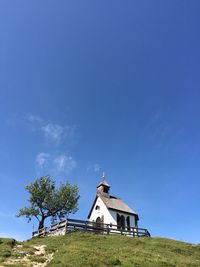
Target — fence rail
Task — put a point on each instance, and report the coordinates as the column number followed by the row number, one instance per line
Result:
column 67, row 225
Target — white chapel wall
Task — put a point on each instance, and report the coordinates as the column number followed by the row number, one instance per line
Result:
column 102, row 212
column 114, row 216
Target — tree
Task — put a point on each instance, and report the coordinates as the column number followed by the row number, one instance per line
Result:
column 47, row 201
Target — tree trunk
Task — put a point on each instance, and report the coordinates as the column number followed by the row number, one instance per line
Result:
column 41, row 223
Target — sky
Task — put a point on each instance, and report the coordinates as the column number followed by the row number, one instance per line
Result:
column 88, row 87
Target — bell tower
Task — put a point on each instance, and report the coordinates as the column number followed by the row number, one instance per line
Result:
column 103, row 187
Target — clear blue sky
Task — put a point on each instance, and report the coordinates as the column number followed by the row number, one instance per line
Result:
column 93, row 86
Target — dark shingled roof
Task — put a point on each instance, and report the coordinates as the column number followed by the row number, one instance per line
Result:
column 115, row 203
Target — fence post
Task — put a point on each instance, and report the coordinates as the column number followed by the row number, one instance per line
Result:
column 135, row 231
column 65, row 227
column 147, row 234
column 108, row 230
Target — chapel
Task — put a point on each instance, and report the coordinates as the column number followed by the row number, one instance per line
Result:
column 109, row 209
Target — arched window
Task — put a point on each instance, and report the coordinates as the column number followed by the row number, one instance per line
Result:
column 97, row 207
column 128, row 223
column 136, row 221
column 123, row 222
column 118, row 221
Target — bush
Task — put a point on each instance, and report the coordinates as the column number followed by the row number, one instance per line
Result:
column 6, row 254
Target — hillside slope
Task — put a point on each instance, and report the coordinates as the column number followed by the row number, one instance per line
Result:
column 89, row 250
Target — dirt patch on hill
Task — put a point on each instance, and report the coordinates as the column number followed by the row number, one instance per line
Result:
column 33, row 256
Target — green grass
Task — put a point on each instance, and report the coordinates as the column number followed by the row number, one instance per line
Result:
column 89, row 250
column 6, row 246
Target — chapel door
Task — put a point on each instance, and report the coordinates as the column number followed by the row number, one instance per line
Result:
column 99, row 223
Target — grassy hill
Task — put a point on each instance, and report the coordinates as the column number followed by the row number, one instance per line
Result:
column 89, row 250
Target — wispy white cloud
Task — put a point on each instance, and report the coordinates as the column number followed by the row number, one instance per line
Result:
column 33, row 118
column 42, row 159
column 93, row 167
column 54, row 164
column 53, row 132
column 65, row 163
column 96, row 167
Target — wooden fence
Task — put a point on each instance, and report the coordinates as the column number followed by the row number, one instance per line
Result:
column 67, row 225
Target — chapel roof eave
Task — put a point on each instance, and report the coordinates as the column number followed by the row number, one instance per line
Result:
column 92, row 206
column 104, row 183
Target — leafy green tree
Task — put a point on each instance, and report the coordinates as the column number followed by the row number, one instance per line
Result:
column 47, row 201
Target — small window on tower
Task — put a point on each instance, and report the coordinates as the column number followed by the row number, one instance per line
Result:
column 97, row 207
